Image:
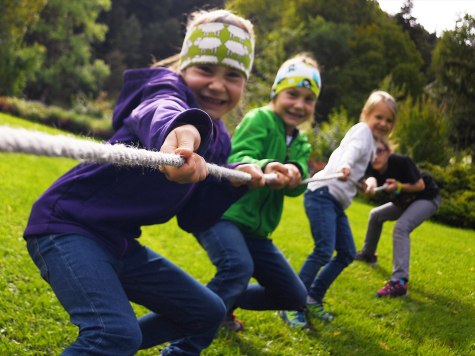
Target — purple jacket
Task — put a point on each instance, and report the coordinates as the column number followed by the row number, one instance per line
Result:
column 111, row 203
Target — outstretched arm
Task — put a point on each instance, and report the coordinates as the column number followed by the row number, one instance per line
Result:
column 395, row 186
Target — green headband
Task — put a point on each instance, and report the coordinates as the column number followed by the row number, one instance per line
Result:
column 297, row 75
column 218, row 43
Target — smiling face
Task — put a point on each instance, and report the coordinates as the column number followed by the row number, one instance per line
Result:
column 294, row 106
column 217, row 89
column 380, row 120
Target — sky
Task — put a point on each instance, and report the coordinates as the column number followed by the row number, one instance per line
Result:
column 434, row 15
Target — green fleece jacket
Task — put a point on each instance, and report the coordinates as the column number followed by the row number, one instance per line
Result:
column 260, row 138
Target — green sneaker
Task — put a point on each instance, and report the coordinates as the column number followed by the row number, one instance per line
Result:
column 316, row 311
column 294, row 319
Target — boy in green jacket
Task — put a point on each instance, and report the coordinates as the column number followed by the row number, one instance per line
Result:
column 239, row 244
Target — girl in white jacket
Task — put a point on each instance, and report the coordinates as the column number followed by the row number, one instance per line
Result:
column 325, row 203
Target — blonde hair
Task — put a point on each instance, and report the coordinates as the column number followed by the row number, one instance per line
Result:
column 374, row 99
column 224, row 16
column 302, row 57
column 201, row 17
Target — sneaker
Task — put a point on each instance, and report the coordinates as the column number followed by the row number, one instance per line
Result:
column 371, row 259
column 232, row 323
column 316, row 311
column 294, row 319
column 393, row 289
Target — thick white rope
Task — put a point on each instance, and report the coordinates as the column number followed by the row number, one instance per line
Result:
column 33, row 142
column 38, row 143
column 318, row 179
column 380, row 188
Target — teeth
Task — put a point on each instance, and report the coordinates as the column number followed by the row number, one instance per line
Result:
column 213, row 100
column 296, row 115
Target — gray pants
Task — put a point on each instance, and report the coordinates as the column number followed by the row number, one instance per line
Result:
column 407, row 220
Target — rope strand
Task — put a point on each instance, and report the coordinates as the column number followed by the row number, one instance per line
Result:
column 38, row 143
column 42, row 144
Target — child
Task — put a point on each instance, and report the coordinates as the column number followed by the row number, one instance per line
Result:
column 83, row 231
column 325, row 203
column 239, row 244
column 414, row 197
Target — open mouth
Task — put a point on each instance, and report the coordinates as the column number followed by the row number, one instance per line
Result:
column 296, row 116
column 212, row 101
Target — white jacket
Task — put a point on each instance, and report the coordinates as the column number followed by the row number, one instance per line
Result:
column 356, row 151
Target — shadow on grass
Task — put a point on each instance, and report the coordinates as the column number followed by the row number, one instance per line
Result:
column 434, row 318
column 445, row 320
column 235, row 341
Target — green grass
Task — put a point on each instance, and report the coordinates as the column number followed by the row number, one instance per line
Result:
column 437, row 318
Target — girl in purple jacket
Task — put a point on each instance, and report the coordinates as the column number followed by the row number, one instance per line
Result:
column 82, row 232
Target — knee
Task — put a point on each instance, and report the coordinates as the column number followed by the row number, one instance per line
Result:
column 374, row 216
column 216, row 312
column 210, row 315
column 322, row 256
column 401, row 231
column 347, row 257
column 293, row 298
column 245, row 269
column 346, row 260
column 123, row 338
column 131, row 336
column 218, row 309
column 300, row 297
column 241, row 267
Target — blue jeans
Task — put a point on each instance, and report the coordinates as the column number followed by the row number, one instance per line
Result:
column 330, row 231
column 239, row 255
column 95, row 288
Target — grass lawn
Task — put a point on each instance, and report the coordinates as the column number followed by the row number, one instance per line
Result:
column 436, row 318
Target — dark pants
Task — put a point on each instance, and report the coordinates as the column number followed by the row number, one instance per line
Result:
column 95, row 288
column 238, row 256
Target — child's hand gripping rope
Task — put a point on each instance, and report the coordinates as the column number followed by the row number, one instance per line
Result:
column 38, row 143
column 184, row 141
column 171, row 164
column 380, row 188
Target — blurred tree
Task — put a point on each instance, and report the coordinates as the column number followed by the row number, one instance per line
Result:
column 141, row 31
column 421, row 131
column 424, row 41
column 355, row 42
column 18, row 61
column 454, row 68
column 66, row 30
column 328, row 135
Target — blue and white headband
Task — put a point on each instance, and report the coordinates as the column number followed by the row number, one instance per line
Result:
column 297, row 75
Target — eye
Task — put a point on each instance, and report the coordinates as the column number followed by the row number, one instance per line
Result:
column 311, row 99
column 205, row 68
column 234, row 75
column 292, row 93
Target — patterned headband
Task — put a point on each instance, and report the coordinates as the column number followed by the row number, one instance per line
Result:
column 298, row 75
column 218, row 43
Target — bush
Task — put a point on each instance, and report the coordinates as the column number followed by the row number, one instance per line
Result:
column 328, row 135
column 81, row 123
column 457, row 185
column 421, row 131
